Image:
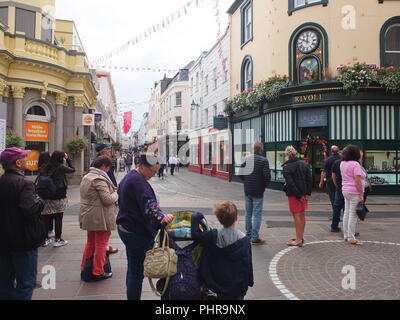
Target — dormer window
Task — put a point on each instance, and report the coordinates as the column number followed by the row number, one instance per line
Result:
column 300, row 4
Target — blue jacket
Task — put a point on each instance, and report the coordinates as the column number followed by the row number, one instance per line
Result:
column 226, row 271
column 139, row 212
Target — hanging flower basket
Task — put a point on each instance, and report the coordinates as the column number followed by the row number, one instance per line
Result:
column 14, row 140
column 313, row 141
column 77, row 144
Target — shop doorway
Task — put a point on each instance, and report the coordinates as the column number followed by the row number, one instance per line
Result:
column 314, row 152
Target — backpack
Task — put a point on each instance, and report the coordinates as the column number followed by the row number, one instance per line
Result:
column 185, row 284
column 45, row 186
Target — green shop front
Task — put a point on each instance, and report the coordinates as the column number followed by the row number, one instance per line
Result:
column 314, row 117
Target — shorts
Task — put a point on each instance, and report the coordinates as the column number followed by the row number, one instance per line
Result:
column 296, row 205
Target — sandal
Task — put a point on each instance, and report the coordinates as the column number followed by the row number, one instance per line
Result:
column 294, row 244
column 357, row 243
column 111, row 250
column 301, row 241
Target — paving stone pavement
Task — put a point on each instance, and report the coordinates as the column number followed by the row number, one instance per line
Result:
column 311, row 272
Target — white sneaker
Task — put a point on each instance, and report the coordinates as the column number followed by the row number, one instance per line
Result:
column 46, row 243
column 60, row 243
column 51, row 234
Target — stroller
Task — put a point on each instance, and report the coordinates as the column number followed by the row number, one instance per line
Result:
column 186, row 283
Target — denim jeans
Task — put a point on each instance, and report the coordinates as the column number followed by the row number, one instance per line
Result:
column 254, row 207
column 331, row 188
column 136, row 248
column 350, row 216
column 18, row 272
column 338, row 206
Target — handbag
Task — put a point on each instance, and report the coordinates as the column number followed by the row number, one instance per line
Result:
column 160, row 262
column 87, row 275
column 362, row 211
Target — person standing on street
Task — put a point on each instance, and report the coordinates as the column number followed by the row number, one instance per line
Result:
column 173, row 161
column 97, row 215
column 104, row 149
column 128, row 162
column 55, row 207
column 353, row 187
column 256, row 176
column 21, row 230
column 44, row 160
column 298, row 187
column 338, row 203
column 326, row 174
column 139, row 218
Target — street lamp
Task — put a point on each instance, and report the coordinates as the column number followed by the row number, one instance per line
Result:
column 194, row 105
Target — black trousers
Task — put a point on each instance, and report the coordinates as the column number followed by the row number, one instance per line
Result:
column 54, row 221
column 172, row 169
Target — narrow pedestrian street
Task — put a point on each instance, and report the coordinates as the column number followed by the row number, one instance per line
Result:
column 311, row 272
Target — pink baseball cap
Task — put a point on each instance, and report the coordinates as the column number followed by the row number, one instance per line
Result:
column 11, row 155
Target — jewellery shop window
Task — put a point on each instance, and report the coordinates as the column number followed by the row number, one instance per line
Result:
column 382, row 167
column 280, row 160
column 270, row 155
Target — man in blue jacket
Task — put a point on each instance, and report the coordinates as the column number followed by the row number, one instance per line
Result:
column 226, row 266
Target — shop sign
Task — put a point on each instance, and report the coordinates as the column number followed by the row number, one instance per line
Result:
column 312, row 118
column 98, row 117
column 220, row 123
column 88, row 120
column 33, row 161
column 3, row 131
column 308, row 98
column 36, row 131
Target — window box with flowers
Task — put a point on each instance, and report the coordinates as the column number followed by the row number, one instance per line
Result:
column 362, row 75
column 77, row 144
column 266, row 90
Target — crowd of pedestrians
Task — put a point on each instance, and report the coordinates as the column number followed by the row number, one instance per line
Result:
column 34, row 211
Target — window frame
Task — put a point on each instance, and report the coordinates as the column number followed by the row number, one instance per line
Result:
column 386, row 26
column 292, row 8
column 34, row 22
column 248, row 5
column 176, row 99
column 247, row 59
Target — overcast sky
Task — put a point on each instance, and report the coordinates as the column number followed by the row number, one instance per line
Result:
column 104, row 25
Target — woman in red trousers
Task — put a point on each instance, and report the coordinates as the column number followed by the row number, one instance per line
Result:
column 97, row 214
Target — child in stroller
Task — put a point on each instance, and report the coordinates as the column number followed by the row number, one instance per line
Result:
column 212, row 253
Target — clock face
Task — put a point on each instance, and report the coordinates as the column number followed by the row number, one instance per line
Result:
column 308, row 41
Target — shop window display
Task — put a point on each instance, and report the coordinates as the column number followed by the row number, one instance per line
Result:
column 270, row 155
column 382, row 167
column 280, row 160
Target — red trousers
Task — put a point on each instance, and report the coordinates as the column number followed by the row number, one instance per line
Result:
column 96, row 247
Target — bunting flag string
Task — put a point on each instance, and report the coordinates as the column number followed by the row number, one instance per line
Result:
column 148, row 32
column 137, row 69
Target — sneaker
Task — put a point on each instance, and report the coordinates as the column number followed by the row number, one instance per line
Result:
column 46, row 243
column 60, row 243
column 259, row 241
column 336, row 230
column 103, row 276
column 51, row 234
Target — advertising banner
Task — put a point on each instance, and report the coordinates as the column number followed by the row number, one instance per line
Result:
column 36, row 131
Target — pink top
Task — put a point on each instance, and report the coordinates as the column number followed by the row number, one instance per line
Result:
column 349, row 170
